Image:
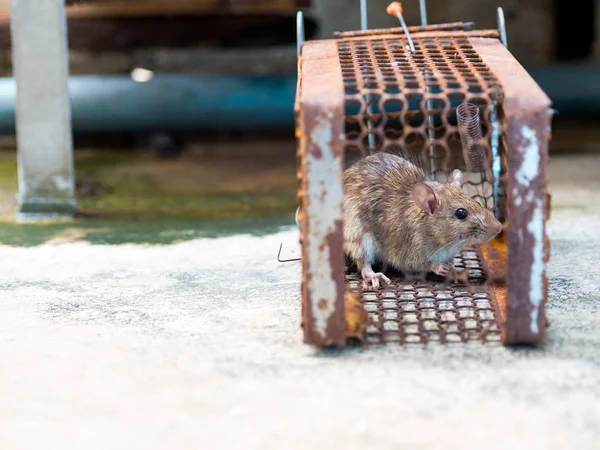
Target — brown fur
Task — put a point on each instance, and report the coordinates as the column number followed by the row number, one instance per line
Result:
column 378, row 204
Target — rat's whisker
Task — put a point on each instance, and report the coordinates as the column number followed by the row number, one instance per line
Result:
column 448, row 248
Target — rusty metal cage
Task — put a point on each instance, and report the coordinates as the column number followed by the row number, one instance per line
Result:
column 365, row 92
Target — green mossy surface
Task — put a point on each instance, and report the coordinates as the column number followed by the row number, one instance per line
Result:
column 125, row 197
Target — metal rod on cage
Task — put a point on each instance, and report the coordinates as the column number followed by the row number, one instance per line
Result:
column 395, row 9
column 363, row 15
column 496, row 163
column 423, row 5
column 430, row 131
column 502, row 26
column 299, row 31
column 363, row 26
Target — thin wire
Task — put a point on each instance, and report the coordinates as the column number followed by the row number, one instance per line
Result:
column 285, row 260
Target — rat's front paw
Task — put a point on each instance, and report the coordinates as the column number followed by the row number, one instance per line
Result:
column 374, row 279
column 447, row 271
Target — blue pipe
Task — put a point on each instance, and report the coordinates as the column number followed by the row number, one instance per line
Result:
column 169, row 102
column 573, row 89
column 179, row 102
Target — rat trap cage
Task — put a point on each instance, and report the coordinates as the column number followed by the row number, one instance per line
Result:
column 457, row 99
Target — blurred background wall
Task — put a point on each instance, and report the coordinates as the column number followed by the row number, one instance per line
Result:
column 257, row 37
column 215, row 80
column 112, row 36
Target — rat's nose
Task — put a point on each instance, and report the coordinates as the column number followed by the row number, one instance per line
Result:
column 496, row 228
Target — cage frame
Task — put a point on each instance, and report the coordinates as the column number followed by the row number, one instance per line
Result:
column 526, row 131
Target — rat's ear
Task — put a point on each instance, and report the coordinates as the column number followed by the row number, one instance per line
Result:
column 425, row 199
column 457, row 178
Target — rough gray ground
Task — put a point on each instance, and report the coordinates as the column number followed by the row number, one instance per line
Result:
column 198, row 345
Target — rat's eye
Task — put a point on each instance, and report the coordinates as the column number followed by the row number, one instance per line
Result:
column 461, row 213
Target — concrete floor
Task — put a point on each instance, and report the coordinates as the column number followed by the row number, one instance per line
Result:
column 197, row 345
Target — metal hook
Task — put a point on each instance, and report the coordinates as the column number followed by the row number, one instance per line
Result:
column 395, row 9
column 502, row 26
column 281, row 245
column 299, row 31
column 285, row 260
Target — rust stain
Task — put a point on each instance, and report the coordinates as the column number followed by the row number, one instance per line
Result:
column 547, row 248
column 356, row 316
column 495, row 254
column 336, row 260
column 323, row 304
column 336, row 246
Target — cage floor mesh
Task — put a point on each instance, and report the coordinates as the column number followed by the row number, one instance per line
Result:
column 423, row 311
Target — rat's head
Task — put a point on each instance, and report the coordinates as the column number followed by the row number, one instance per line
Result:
column 452, row 216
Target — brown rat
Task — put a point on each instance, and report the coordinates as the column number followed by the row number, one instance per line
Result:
column 394, row 215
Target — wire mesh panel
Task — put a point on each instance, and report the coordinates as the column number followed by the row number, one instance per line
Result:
column 397, row 101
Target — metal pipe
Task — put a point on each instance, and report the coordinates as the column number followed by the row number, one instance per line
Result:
column 573, row 89
column 169, row 102
column 179, row 102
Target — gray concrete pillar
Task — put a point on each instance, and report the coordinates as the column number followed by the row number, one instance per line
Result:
column 43, row 117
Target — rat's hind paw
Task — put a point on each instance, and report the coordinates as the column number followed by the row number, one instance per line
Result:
column 374, row 279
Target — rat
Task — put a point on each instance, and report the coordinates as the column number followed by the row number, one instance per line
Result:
column 395, row 215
